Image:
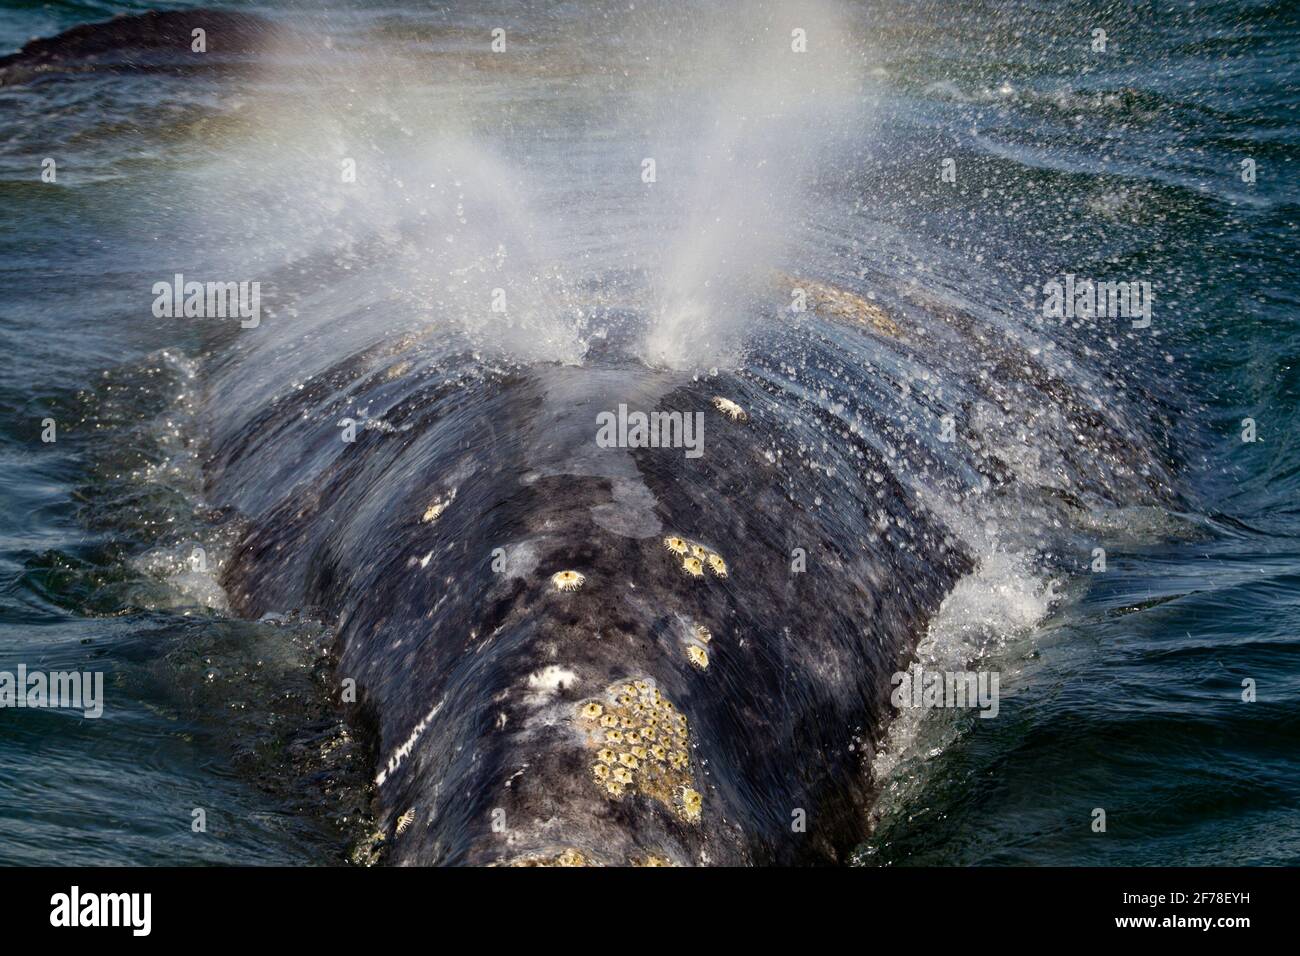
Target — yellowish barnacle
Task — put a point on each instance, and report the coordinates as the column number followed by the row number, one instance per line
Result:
column 435, row 510
column 592, row 711
column 699, row 551
column 609, row 720
column 624, row 699
column 675, row 544
column 729, row 408
column 697, row 656
column 693, row 567
column 569, row 857
column 405, row 820
column 692, row 803
column 568, row 580
column 717, row 565
column 840, row 302
column 633, row 761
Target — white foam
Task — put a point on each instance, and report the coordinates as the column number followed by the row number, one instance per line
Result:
column 988, row 616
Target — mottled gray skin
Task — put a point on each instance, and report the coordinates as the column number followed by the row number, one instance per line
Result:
column 796, row 692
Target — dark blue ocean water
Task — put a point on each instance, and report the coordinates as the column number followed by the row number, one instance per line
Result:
column 1122, row 689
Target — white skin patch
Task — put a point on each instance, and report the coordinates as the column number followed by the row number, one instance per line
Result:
column 550, row 679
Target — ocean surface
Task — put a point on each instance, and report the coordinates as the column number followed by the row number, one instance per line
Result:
column 1121, row 688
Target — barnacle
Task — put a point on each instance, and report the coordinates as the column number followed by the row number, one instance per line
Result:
column 717, row 565
column 592, row 711
column 405, row 820
column 692, row 803
column 693, row 567
column 629, row 760
column 568, row 580
column 729, row 408
column 571, row 857
column 609, row 720
column 699, row 551
column 675, row 544
column 697, row 656
column 703, row 634
column 435, row 510
column 840, row 302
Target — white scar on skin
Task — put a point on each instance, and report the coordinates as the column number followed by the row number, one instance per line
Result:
column 402, row 752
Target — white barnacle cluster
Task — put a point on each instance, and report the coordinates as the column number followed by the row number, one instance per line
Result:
column 641, row 743
column 730, row 409
column 696, row 557
column 697, row 651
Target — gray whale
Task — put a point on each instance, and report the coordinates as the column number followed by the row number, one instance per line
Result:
column 433, row 541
